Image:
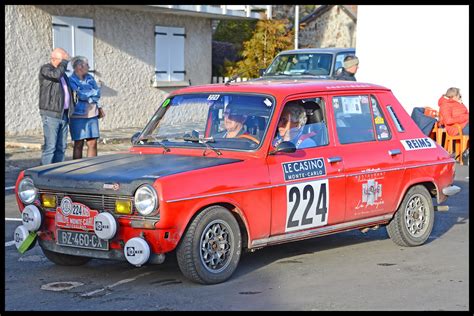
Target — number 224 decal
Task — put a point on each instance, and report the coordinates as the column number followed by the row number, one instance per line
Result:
column 307, row 205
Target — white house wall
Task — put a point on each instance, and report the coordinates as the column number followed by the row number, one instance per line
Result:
column 123, row 54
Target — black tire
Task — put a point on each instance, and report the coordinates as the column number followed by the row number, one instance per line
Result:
column 413, row 222
column 65, row 260
column 216, row 228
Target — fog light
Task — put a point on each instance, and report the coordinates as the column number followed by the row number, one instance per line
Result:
column 48, row 201
column 123, row 207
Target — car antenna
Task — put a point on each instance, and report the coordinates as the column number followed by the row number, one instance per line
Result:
column 234, row 77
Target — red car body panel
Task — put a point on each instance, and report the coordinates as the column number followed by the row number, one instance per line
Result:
column 255, row 188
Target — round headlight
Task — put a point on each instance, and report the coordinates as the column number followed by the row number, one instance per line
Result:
column 27, row 191
column 146, row 200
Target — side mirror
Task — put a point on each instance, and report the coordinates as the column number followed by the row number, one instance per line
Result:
column 284, row 147
column 261, row 71
column 135, row 137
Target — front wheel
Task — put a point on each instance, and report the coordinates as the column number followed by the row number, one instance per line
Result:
column 413, row 222
column 209, row 251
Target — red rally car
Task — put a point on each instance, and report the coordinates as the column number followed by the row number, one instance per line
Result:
column 225, row 168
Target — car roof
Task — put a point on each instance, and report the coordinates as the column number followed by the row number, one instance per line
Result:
column 282, row 88
column 331, row 50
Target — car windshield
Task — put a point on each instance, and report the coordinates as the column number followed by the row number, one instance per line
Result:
column 300, row 64
column 210, row 120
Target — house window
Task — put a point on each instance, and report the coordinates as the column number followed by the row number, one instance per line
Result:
column 76, row 36
column 169, row 50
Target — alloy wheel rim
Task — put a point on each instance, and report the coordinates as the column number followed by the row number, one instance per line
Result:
column 216, row 246
column 417, row 215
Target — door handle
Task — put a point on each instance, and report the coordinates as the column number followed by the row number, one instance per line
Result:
column 394, row 152
column 334, row 159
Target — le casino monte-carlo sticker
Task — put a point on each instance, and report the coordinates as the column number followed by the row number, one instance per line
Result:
column 302, row 169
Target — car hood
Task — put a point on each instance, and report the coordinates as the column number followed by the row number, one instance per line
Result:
column 116, row 174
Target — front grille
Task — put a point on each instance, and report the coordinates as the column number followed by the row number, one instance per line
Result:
column 97, row 202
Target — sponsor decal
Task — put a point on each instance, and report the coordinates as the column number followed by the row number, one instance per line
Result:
column 167, row 101
column 75, row 215
column 213, row 97
column 418, row 143
column 131, row 251
column 111, row 186
column 371, row 195
column 304, row 169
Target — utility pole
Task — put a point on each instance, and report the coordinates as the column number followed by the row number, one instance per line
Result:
column 297, row 24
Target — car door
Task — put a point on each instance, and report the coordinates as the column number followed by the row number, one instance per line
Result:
column 307, row 185
column 371, row 156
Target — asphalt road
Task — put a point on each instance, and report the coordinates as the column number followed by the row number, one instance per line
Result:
column 346, row 271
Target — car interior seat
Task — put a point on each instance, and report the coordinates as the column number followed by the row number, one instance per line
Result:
column 315, row 122
column 255, row 125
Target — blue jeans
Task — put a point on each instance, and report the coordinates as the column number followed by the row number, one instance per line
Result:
column 55, row 138
column 465, row 130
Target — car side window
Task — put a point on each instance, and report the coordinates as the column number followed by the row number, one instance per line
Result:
column 303, row 122
column 381, row 127
column 354, row 122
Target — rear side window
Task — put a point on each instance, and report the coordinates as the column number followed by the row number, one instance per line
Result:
column 354, row 123
column 395, row 119
column 381, row 127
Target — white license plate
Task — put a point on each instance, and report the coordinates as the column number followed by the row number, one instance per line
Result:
column 81, row 240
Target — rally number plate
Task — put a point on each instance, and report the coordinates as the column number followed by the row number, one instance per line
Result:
column 81, row 240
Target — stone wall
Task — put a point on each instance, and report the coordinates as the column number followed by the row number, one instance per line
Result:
column 124, row 57
column 333, row 28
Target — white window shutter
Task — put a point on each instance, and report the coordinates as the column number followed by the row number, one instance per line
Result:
column 76, row 36
column 62, row 36
column 169, row 58
column 177, row 47
column 84, row 41
column 162, row 54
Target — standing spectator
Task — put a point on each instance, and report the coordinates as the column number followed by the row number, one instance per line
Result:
column 452, row 111
column 351, row 64
column 85, row 118
column 55, row 98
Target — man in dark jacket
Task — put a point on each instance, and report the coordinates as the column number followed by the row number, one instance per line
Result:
column 351, row 64
column 55, row 99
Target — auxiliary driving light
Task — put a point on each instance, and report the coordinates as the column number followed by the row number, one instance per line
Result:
column 123, row 207
column 48, row 201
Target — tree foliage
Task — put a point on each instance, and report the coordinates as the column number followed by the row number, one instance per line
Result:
column 234, row 31
column 269, row 38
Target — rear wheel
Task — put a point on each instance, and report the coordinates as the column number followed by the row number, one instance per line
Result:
column 65, row 260
column 209, row 251
column 413, row 222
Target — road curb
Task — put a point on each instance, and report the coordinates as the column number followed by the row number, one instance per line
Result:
column 23, row 145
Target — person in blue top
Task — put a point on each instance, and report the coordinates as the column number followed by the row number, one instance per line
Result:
column 290, row 127
column 84, row 123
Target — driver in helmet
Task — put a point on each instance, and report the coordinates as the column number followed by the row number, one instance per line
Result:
column 233, row 123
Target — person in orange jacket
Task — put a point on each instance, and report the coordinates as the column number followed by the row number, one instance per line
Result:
column 452, row 111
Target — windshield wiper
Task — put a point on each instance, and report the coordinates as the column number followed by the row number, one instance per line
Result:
column 204, row 141
column 154, row 141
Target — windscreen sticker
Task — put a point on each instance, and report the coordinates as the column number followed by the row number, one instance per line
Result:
column 418, row 143
column 167, row 101
column 307, row 205
column 267, row 102
column 304, row 169
column 213, row 97
column 379, row 120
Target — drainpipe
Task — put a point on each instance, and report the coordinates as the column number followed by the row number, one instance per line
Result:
column 297, row 24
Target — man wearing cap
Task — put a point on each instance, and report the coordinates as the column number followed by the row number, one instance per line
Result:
column 351, row 64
